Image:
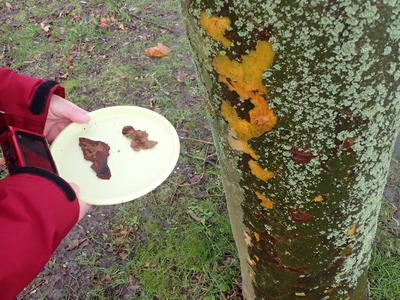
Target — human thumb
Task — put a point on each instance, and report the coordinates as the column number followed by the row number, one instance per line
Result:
column 83, row 206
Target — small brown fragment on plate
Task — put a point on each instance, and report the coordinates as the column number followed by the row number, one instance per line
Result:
column 139, row 138
column 96, row 152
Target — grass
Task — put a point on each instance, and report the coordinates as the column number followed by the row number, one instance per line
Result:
column 176, row 242
column 384, row 276
column 385, row 262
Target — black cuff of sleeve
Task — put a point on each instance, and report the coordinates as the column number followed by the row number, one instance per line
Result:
column 57, row 180
column 39, row 99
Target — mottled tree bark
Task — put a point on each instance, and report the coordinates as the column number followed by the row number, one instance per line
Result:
column 303, row 99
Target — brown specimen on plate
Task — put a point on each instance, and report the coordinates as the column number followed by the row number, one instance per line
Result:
column 139, row 138
column 96, row 152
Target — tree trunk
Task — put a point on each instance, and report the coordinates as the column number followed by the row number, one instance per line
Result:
column 303, row 99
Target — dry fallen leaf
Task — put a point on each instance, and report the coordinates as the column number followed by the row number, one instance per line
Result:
column 181, row 77
column 9, row 5
column 97, row 152
column 63, row 76
column 73, row 245
column 139, row 138
column 158, row 51
column 106, row 22
column 194, row 216
column 45, row 27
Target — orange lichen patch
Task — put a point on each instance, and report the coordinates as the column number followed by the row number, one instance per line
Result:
column 240, row 145
column 319, row 199
column 262, row 119
column 352, row 230
column 245, row 77
column 265, row 201
column 259, row 172
column 247, row 238
column 240, row 126
column 257, row 236
column 216, row 28
column 251, row 261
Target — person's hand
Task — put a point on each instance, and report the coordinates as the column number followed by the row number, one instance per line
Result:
column 61, row 113
column 83, row 207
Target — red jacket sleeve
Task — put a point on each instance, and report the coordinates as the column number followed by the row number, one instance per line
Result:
column 37, row 207
column 37, row 210
column 27, row 98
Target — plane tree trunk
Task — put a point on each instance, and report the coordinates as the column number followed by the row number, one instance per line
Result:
column 303, row 99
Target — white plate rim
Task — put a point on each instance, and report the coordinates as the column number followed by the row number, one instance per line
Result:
column 143, row 191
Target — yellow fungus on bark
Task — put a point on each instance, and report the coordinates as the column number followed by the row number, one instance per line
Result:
column 259, row 172
column 251, row 261
column 240, row 145
column 352, row 230
column 319, row 199
column 262, row 120
column 265, row 201
column 241, row 127
column 247, row 238
column 257, row 236
column 216, row 28
column 245, row 77
column 300, row 294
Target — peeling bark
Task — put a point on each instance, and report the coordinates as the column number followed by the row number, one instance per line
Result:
column 304, row 107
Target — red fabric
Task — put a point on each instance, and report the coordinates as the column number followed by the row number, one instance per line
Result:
column 35, row 214
column 16, row 92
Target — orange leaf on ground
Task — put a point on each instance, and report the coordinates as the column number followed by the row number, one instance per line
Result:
column 45, row 27
column 158, row 51
column 105, row 22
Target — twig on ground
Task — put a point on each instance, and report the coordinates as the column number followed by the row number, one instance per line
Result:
column 205, row 160
column 154, row 23
column 197, row 140
column 208, row 196
column 195, row 217
column 32, row 290
column 154, row 198
column 199, row 178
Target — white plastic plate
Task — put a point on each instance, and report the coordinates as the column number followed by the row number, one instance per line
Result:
column 133, row 174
